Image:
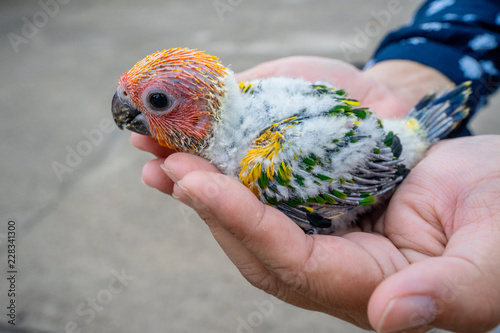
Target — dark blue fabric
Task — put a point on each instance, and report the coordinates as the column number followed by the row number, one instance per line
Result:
column 460, row 38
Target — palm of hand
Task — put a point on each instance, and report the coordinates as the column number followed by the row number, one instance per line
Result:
column 403, row 270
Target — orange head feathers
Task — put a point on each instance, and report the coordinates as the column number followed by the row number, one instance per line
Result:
column 172, row 95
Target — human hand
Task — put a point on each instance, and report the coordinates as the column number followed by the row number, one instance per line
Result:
column 315, row 272
column 430, row 260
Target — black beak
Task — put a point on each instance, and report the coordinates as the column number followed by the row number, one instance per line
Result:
column 127, row 116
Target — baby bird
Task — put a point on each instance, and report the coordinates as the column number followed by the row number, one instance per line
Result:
column 302, row 147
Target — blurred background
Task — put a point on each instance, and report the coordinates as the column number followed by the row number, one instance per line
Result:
column 97, row 251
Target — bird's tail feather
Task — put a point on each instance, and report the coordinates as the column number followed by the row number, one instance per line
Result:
column 439, row 113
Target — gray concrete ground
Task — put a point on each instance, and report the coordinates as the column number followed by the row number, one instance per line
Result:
column 96, row 251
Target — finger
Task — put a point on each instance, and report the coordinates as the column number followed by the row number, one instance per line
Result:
column 445, row 292
column 149, row 144
column 458, row 291
column 157, row 174
column 262, row 70
column 306, row 67
column 250, row 266
column 267, row 232
column 153, row 176
column 178, row 165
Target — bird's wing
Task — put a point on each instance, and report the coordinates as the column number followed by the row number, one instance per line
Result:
column 338, row 207
column 311, row 189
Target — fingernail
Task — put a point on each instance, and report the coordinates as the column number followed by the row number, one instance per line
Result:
column 180, row 191
column 405, row 313
column 142, row 181
column 169, row 173
column 183, row 189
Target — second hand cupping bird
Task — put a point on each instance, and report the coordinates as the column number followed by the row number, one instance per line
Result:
column 302, row 147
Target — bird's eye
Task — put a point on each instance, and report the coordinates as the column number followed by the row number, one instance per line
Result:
column 158, row 101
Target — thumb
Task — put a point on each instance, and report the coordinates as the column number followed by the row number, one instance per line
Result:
column 446, row 292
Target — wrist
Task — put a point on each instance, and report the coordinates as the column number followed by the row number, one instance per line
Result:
column 409, row 80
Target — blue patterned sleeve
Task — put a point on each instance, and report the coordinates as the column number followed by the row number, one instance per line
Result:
column 460, row 38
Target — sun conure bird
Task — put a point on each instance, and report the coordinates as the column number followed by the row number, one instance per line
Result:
column 304, row 148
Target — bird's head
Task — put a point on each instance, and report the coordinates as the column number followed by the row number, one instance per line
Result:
column 174, row 96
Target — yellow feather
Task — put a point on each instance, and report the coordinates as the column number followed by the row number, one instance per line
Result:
column 309, row 209
column 413, row 124
column 350, row 101
column 269, row 173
